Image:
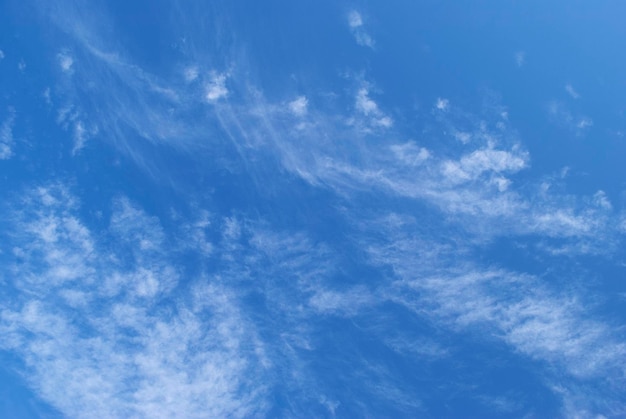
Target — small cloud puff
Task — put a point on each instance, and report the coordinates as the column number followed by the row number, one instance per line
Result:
column 520, row 58
column 65, row 62
column 368, row 107
column 6, row 136
column 602, row 201
column 364, row 103
column 80, row 137
column 570, row 91
column 410, row 153
column 355, row 21
column 191, row 74
column 462, row 136
column 442, row 104
column 473, row 165
column 561, row 116
column 216, row 88
column 298, row 107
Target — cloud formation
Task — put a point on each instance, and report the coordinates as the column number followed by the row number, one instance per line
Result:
column 6, row 136
column 65, row 62
column 355, row 22
column 216, row 88
column 99, row 332
column 562, row 116
column 299, row 105
column 570, row 91
column 111, row 308
column 369, row 108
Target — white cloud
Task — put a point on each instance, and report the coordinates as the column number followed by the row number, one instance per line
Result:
column 470, row 166
column 65, row 62
column 367, row 107
column 584, row 122
column 90, row 327
column 355, row 22
column 6, row 136
column 216, row 89
column 410, row 153
column 521, row 311
column 442, row 104
column 79, row 137
column 570, row 91
column 71, row 119
column 530, row 314
column 299, row 106
column 463, row 137
column 520, row 58
column 364, row 104
column 191, row 74
column 602, row 201
column 563, row 117
column 347, row 303
column 354, row 19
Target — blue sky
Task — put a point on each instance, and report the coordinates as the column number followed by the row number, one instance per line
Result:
column 312, row 209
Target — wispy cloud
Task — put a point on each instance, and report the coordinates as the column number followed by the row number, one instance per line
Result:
column 571, row 91
column 71, row 119
column 355, row 22
column 561, row 115
column 191, row 74
column 536, row 318
column 520, row 58
column 369, row 108
column 65, row 62
column 91, row 327
column 466, row 173
column 299, row 105
column 6, row 136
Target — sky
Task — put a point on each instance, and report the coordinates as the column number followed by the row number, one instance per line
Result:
column 312, row 209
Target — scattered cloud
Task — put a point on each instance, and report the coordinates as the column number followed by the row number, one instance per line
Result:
column 70, row 119
column 157, row 316
column 191, row 74
column 535, row 317
column 570, row 91
column 520, row 58
column 560, row 114
column 470, row 166
column 103, row 333
column 410, row 153
column 367, row 107
column 354, row 19
column 80, row 137
column 355, row 22
column 6, row 136
column 65, row 62
column 601, row 200
column 299, row 106
column 216, row 88
column 442, row 104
